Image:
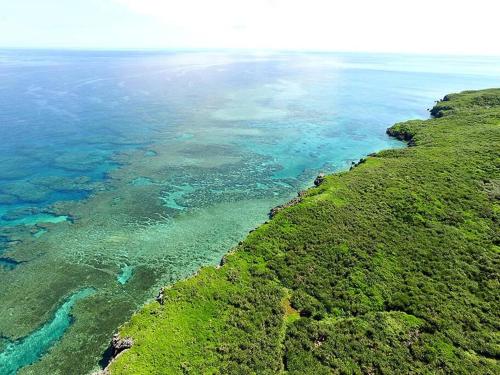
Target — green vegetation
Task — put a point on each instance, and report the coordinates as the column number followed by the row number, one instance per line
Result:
column 392, row 267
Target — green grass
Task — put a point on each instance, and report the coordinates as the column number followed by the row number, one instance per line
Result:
column 392, row 267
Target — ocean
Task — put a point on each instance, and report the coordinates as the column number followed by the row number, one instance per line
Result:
column 123, row 171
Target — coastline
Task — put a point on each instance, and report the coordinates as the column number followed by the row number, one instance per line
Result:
column 251, row 259
column 188, row 184
column 119, row 345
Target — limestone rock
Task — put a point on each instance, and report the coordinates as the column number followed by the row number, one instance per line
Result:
column 319, row 180
column 277, row 209
column 119, row 344
column 160, row 297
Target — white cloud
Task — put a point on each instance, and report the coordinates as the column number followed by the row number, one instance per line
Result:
column 446, row 26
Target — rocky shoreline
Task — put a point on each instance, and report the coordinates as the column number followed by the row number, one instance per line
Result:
column 119, row 345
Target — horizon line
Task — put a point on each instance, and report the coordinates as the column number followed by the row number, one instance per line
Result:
column 239, row 49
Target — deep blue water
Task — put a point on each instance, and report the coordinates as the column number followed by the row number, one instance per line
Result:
column 65, row 114
column 166, row 160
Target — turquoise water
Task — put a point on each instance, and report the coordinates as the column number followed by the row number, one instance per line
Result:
column 28, row 349
column 125, row 171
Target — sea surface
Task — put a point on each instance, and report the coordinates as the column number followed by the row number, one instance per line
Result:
column 122, row 171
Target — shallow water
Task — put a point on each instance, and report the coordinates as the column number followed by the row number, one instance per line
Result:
column 124, row 171
column 28, row 349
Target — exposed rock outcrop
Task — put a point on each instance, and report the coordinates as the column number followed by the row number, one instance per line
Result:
column 319, row 180
column 401, row 135
column 223, row 261
column 160, row 297
column 354, row 164
column 291, row 203
column 120, row 344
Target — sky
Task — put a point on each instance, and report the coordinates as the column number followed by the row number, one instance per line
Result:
column 401, row 26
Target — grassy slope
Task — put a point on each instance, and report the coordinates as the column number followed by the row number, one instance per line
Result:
column 392, row 267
